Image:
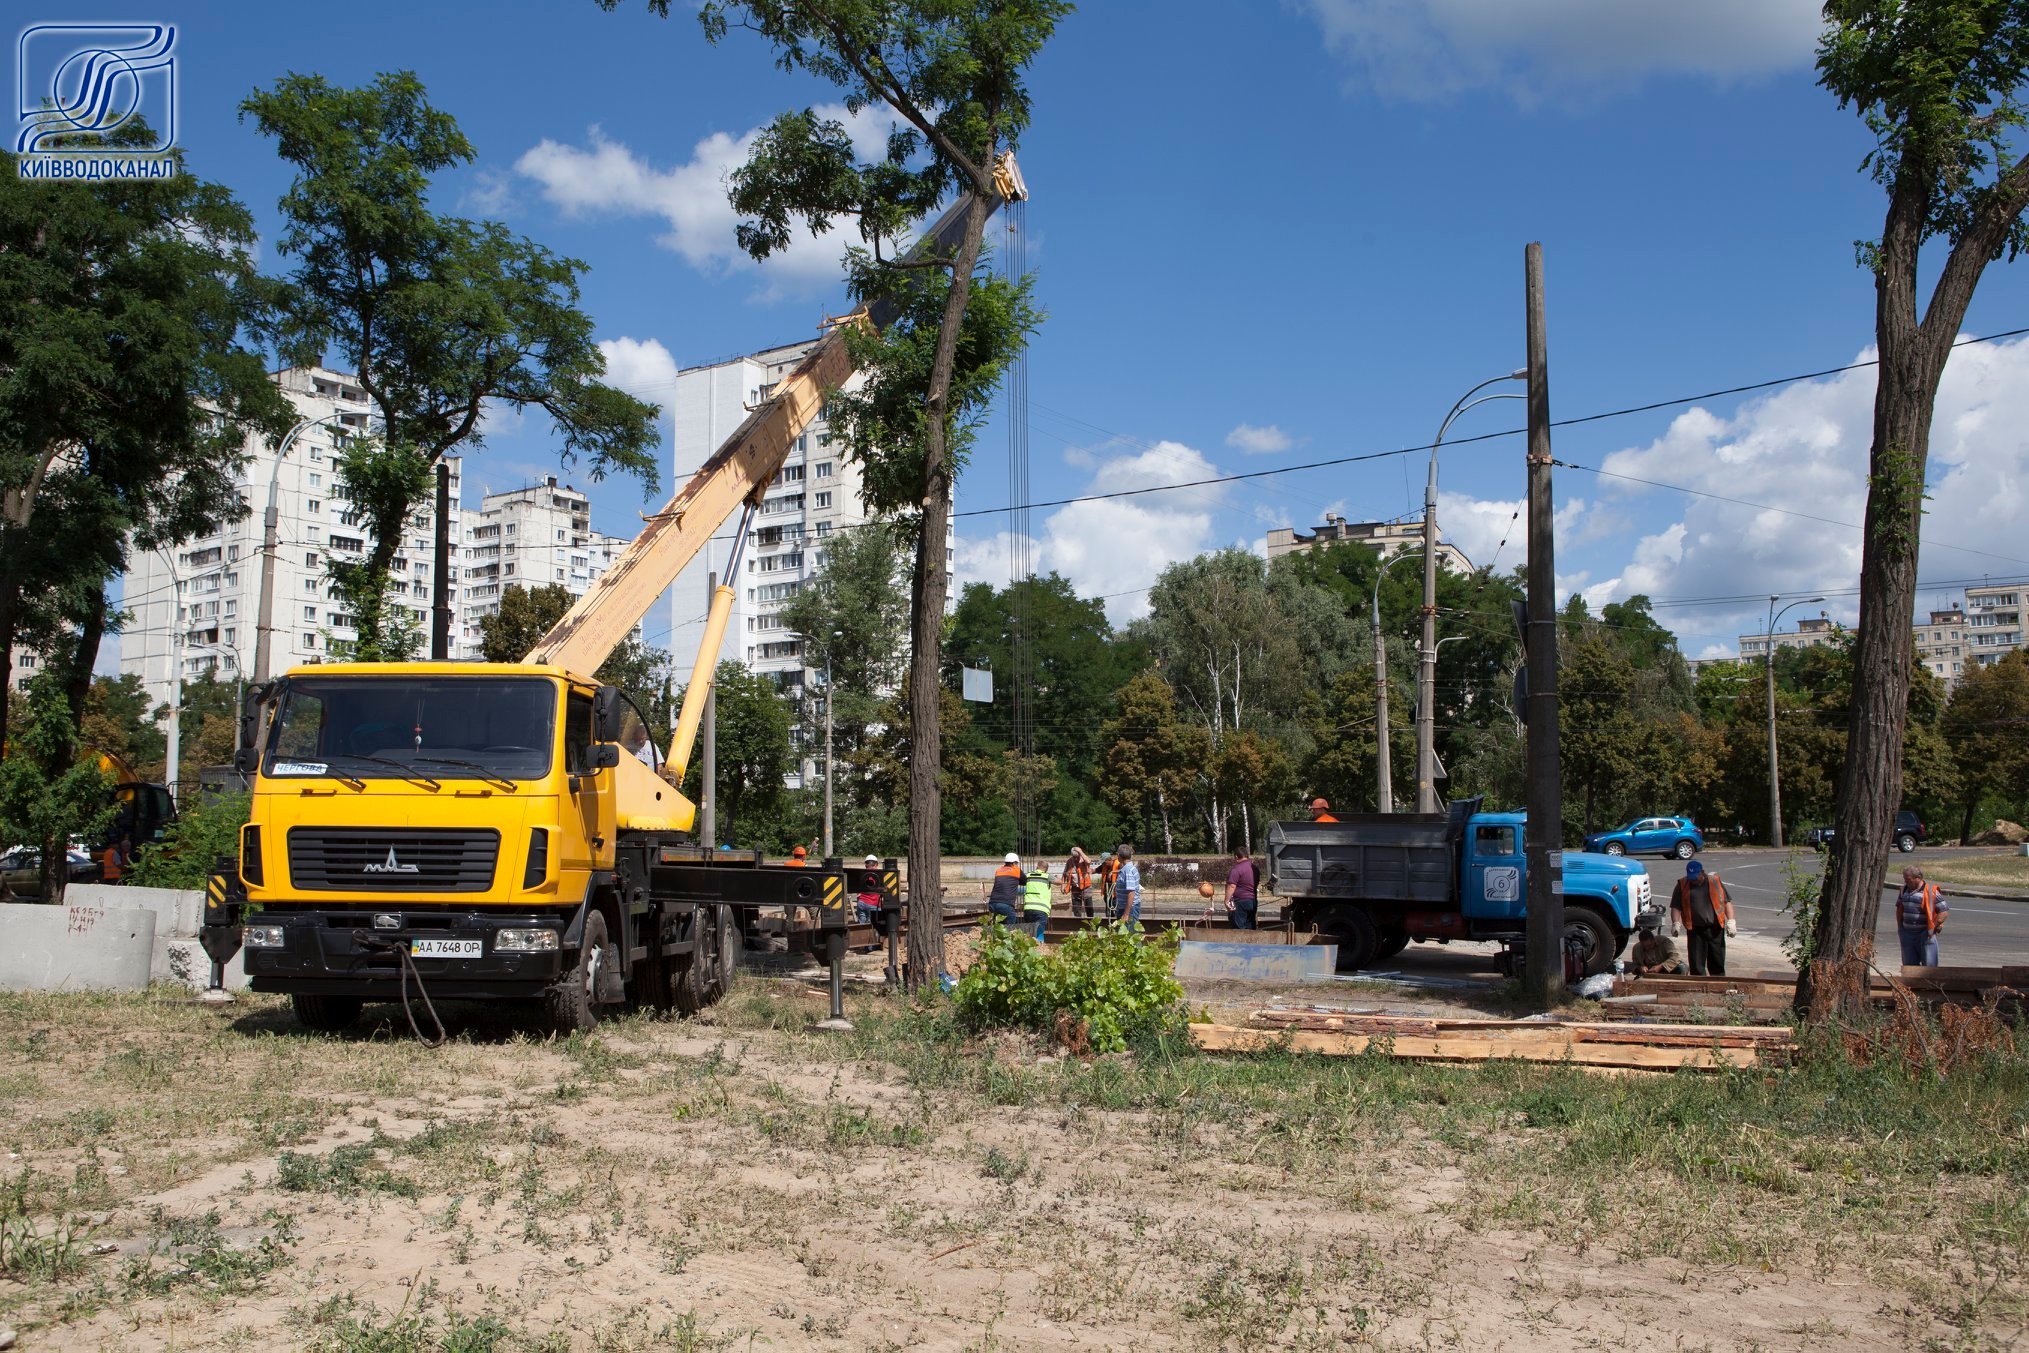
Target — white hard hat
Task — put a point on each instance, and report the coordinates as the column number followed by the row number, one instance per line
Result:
column 1011, row 858
column 873, row 859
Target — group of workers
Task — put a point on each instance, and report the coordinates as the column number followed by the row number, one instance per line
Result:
column 1022, row 898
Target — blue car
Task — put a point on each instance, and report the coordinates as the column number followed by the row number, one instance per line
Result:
column 1678, row 836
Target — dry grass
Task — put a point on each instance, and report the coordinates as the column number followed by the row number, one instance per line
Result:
column 1973, row 871
column 745, row 1180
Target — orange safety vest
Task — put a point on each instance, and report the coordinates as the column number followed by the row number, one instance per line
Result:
column 1722, row 903
column 1324, row 817
column 796, row 862
column 1930, row 895
column 1078, row 875
column 110, row 866
column 1107, row 873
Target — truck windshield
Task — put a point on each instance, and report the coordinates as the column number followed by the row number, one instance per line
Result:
column 382, row 728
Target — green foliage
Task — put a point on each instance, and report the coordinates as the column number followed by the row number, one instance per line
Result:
column 442, row 318
column 753, row 758
column 1802, row 889
column 1986, row 729
column 207, row 829
column 345, row 1170
column 1120, row 985
column 49, row 796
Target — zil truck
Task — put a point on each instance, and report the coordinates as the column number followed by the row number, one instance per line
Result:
column 483, row 830
column 1375, row 882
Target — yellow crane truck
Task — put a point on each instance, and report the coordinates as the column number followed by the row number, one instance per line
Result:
column 483, row 831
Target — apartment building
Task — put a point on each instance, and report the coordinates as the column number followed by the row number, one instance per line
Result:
column 199, row 604
column 818, row 492
column 1812, row 632
column 1389, row 537
column 1943, row 644
column 1993, row 621
column 531, row 537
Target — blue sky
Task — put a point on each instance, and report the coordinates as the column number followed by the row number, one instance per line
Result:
column 1268, row 234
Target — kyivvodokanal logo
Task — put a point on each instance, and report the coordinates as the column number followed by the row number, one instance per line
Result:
column 95, row 101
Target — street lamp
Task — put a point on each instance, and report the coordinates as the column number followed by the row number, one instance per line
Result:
column 1383, row 765
column 270, row 520
column 1426, row 729
column 1774, row 775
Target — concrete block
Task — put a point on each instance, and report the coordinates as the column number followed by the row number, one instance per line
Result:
column 75, row 947
column 1257, row 962
column 185, row 963
column 178, row 911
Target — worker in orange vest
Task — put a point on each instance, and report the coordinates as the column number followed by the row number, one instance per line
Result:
column 1078, row 882
column 799, row 858
column 113, row 862
column 1108, row 870
column 1920, row 910
column 1700, row 905
column 1320, row 811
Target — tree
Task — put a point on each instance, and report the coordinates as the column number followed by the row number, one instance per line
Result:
column 50, row 795
column 208, row 828
column 753, row 756
column 1986, row 726
column 1342, row 765
column 1153, row 759
column 1939, row 83
column 953, row 71
column 126, row 396
column 442, row 318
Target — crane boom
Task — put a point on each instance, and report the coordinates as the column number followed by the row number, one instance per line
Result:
column 737, row 472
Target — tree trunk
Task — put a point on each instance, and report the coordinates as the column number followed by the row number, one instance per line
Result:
column 1966, row 818
column 926, row 649
column 85, row 656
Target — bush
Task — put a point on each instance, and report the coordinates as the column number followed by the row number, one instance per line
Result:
column 193, row 844
column 1110, row 985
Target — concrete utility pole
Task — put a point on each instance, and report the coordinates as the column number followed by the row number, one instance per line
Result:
column 440, row 614
column 1426, row 686
column 708, row 774
column 264, row 621
column 1384, row 770
column 1774, row 774
column 1543, row 959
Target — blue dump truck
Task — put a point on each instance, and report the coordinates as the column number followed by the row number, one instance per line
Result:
column 1376, row 881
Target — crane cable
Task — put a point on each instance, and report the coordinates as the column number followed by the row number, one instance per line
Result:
column 1021, row 551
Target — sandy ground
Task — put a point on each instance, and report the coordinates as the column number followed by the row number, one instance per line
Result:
column 741, row 1182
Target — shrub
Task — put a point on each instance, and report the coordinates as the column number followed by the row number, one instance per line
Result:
column 193, row 843
column 1111, row 984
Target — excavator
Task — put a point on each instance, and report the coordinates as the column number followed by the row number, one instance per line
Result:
column 503, row 831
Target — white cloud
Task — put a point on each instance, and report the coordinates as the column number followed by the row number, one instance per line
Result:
column 1545, row 48
column 1492, row 532
column 607, row 177
column 1258, row 441
column 1116, row 547
column 491, row 194
column 640, row 366
column 1804, row 450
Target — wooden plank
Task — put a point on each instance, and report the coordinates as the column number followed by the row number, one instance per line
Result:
column 1226, row 1038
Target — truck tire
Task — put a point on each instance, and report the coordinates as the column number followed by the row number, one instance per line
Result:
column 326, row 1014
column 692, row 982
column 1358, row 942
column 1597, row 933
column 1392, row 942
column 720, row 980
column 1685, row 849
column 568, row 1003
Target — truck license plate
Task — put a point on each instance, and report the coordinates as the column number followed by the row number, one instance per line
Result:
column 446, row 948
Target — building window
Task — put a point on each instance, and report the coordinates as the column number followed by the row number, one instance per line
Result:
column 310, row 561
column 560, row 536
column 307, row 643
column 314, row 506
column 317, row 482
column 232, row 608
column 824, row 529
column 824, row 500
column 310, row 617
column 824, row 472
column 310, row 586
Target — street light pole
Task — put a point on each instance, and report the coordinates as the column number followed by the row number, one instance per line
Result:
column 270, row 523
column 1426, row 694
column 1384, row 770
column 1774, row 774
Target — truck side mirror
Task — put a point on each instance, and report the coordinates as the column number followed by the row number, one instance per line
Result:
column 602, row 756
column 247, row 760
column 606, row 707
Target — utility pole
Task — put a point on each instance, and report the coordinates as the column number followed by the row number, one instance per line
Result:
column 1384, row 770
column 440, row 611
column 829, row 702
column 440, row 616
column 708, row 773
column 1426, row 653
column 1543, row 959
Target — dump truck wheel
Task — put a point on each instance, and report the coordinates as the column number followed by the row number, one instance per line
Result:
column 326, row 1014
column 1391, row 944
column 1358, row 944
column 568, row 1002
column 1585, row 925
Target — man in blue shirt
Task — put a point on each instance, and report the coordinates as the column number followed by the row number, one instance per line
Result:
column 1127, row 888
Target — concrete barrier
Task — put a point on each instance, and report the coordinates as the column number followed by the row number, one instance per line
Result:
column 75, row 947
column 178, row 912
column 1258, row 962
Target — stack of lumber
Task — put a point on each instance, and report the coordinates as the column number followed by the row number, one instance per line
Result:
column 1766, row 997
column 1611, row 1047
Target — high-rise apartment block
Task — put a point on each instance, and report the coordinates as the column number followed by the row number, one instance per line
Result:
column 1811, row 632
column 199, row 604
column 1389, row 537
column 532, row 537
column 1994, row 621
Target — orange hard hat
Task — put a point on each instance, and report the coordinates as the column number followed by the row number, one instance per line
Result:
column 798, row 851
column 1320, row 804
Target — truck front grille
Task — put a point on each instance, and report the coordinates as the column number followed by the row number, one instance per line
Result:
column 392, row 860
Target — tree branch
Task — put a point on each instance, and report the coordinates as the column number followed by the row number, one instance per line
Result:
column 1983, row 239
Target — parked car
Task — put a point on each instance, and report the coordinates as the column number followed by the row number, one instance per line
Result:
column 1909, row 830
column 21, row 872
column 1678, row 836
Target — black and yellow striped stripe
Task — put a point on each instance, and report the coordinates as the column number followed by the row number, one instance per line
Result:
column 834, row 893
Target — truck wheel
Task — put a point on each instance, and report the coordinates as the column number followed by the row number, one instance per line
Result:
column 568, row 1002
column 1595, row 936
column 1358, row 943
column 1615, row 848
column 326, row 1014
column 1685, row 850
column 720, row 980
column 1392, row 942
column 691, row 984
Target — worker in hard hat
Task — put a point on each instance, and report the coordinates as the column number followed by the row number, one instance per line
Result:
column 799, row 858
column 1320, row 811
column 1004, row 894
column 1036, row 901
column 869, row 897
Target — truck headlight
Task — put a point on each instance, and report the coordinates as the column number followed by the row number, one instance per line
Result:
column 542, row 941
column 262, row 937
